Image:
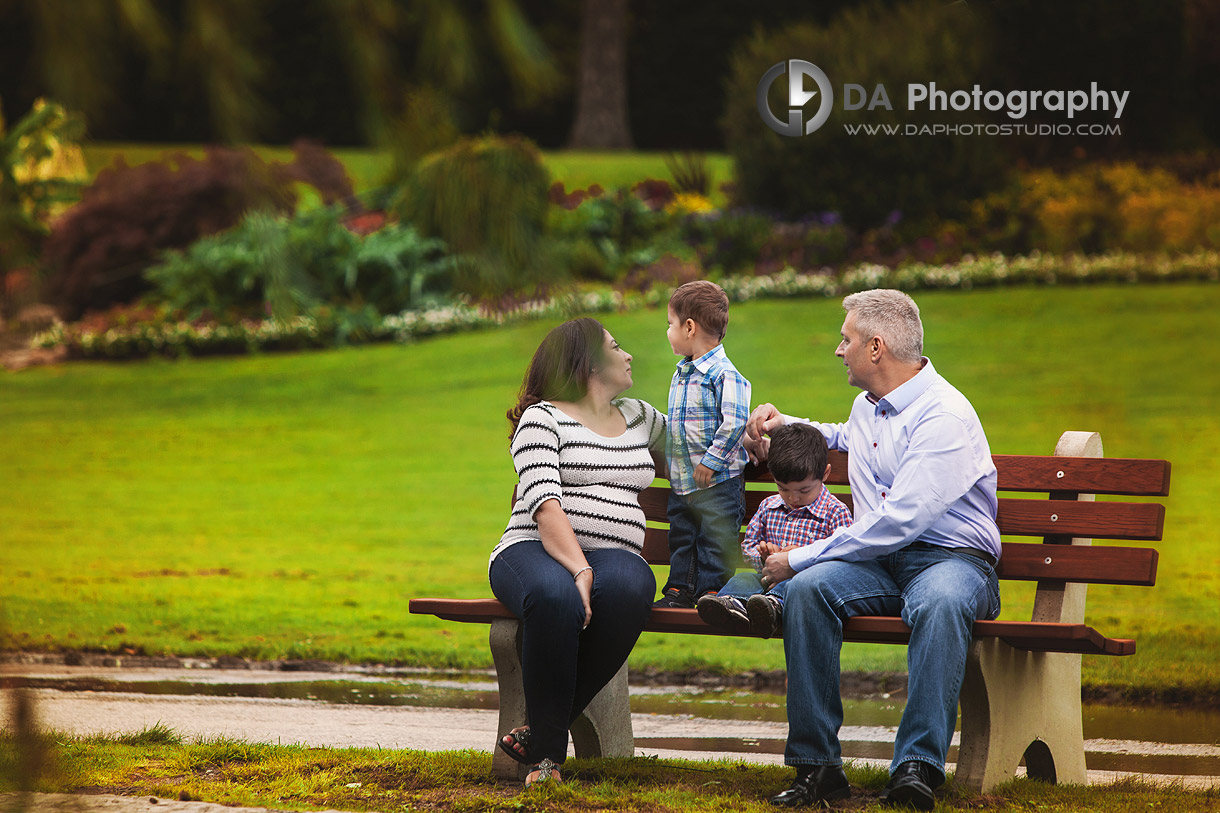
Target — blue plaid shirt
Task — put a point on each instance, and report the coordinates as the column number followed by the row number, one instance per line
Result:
column 709, row 402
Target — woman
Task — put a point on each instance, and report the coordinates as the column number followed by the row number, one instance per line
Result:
column 569, row 563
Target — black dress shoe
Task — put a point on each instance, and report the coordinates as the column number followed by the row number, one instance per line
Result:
column 912, row 784
column 814, row 786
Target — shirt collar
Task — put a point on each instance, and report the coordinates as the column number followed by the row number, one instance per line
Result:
column 813, row 509
column 905, row 393
column 704, row 362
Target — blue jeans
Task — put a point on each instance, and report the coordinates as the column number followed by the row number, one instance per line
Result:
column 563, row 667
column 744, row 585
column 938, row 593
column 704, row 536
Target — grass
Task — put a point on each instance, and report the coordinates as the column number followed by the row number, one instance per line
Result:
column 298, row 778
column 368, row 168
column 288, row 506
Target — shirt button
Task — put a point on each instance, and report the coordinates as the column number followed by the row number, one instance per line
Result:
column 882, row 495
column 874, row 445
column 883, row 412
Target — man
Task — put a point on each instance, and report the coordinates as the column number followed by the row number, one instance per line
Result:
column 924, row 546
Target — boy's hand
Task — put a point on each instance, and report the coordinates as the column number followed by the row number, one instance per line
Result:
column 765, row 549
column 703, row 476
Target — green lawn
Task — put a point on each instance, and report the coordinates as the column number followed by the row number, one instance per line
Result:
column 367, row 168
column 290, row 505
column 156, row 762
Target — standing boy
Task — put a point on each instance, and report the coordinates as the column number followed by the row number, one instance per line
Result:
column 803, row 512
column 709, row 403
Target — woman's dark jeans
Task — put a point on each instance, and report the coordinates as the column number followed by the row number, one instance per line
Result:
column 562, row 667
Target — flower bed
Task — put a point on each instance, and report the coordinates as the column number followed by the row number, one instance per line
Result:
column 175, row 338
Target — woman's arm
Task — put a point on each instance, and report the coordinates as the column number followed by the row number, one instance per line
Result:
column 560, row 542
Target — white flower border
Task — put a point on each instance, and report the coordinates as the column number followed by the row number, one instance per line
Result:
column 184, row 338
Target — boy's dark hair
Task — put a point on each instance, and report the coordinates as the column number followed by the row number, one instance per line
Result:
column 798, row 451
column 703, row 301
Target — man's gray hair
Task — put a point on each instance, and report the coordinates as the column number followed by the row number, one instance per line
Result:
column 893, row 316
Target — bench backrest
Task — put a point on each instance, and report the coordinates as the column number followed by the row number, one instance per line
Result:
column 1055, row 506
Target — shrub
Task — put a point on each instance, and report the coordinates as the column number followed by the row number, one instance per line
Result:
column 863, row 177
column 622, row 228
column 287, row 266
column 1098, row 208
column 41, row 172
column 487, row 198
column 97, row 252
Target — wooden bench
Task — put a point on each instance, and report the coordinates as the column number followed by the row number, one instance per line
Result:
column 1021, row 694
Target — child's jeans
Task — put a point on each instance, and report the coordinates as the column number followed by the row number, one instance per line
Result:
column 744, row 585
column 705, row 536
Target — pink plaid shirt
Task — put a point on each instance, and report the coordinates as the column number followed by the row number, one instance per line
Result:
column 778, row 524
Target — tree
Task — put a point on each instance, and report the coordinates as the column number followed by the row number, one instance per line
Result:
column 81, row 46
column 601, row 101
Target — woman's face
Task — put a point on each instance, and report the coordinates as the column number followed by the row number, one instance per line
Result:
column 614, row 369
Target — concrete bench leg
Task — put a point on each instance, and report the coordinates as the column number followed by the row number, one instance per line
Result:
column 1019, row 704
column 1027, row 704
column 604, row 730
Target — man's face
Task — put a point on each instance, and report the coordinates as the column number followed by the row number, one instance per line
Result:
column 853, row 349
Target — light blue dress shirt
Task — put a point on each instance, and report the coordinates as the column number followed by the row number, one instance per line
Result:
column 920, row 469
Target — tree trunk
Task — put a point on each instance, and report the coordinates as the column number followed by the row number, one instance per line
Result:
column 601, row 100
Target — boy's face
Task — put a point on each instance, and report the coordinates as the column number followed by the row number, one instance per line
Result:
column 681, row 337
column 800, row 492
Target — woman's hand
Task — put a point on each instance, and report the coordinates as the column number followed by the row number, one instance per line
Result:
column 584, row 586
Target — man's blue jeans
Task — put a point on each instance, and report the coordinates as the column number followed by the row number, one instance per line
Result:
column 705, row 535
column 747, row 584
column 563, row 667
column 938, row 593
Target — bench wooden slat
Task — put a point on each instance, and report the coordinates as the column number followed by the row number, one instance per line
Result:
column 1089, row 564
column 1078, row 638
column 1094, row 520
column 1016, row 516
column 1134, row 477
column 1025, row 561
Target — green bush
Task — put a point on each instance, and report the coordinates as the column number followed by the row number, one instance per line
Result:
column 97, row 252
column 487, row 199
column 287, row 266
column 865, row 178
column 608, row 235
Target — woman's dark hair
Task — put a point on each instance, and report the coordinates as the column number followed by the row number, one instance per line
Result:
column 561, row 366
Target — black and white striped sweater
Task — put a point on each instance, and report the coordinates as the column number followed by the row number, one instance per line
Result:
column 596, row 479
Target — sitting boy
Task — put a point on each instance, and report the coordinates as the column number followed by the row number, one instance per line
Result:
column 803, row 511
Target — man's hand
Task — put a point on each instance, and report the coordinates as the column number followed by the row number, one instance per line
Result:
column 703, row 476
column 763, row 419
column 776, row 569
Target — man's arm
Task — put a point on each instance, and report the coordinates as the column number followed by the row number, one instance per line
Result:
column 766, row 418
column 937, row 470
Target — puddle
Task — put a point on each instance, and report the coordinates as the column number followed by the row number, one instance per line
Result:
column 1160, row 740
